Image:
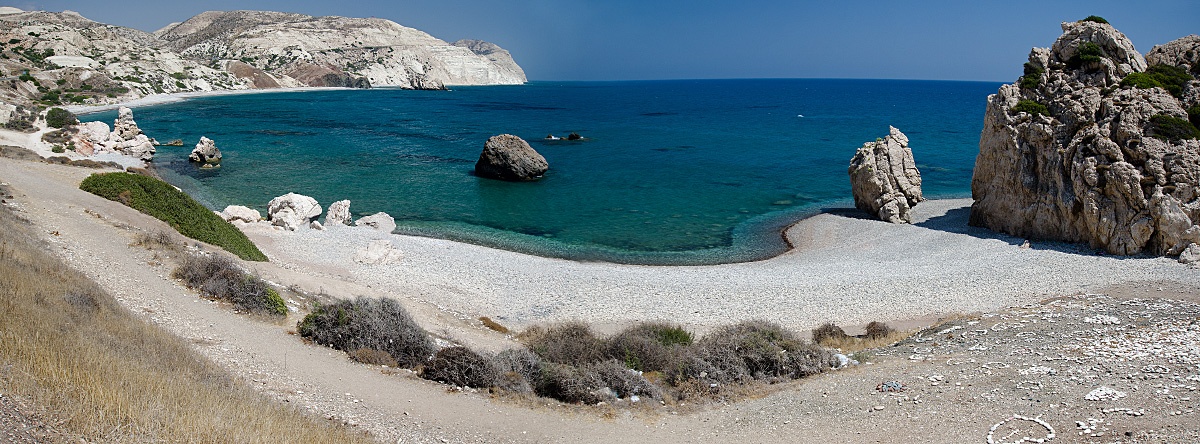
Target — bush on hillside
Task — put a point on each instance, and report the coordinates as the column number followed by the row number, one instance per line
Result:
column 218, row 277
column 184, row 214
column 649, row 346
column 1172, row 129
column 828, row 332
column 60, row 118
column 1170, row 78
column 1031, row 107
column 876, row 330
column 1095, row 18
column 379, row 324
column 571, row 343
column 1194, row 115
column 1032, row 77
column 460, row 366
column 752, row 350
column 1087, row 54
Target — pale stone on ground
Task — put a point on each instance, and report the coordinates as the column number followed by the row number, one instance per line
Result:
column 238, row 212
column 338, row 213
column 380, row 221
column 292, row 211
column 378, row 252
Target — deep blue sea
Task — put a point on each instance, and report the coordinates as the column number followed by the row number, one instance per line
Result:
column 671, row 172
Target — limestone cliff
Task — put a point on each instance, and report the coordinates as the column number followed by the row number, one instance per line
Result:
column 332, row 50
column 1093, row 145
column 72, row 60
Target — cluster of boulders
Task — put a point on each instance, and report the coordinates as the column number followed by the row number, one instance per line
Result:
column 884, row 178
column 125, row 137
column 292, row 212
column 1093, row 144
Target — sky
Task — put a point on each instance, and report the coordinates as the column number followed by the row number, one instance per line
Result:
column 697, row 39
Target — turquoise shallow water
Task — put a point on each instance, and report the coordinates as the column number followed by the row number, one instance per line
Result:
column 672, row 172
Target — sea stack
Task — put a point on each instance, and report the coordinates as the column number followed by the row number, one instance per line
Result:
column 884, row 178
column 206, row 153
column 1094, row 145
column 508, row 157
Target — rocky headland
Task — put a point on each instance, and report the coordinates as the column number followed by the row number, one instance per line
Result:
column 64, row 58
column 1094, row 145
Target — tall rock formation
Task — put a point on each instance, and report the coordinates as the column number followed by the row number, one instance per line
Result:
column 1090, row 145
column 884, row 178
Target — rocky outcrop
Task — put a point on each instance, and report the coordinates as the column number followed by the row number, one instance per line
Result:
column 206, row 152
column 380, row 221
column 338, row 213
column 240, row 213
column 128, row 139
column 508, row 157
column 292, row 211
column 884, row 178
column 1068, row 153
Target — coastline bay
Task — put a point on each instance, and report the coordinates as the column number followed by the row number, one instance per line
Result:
column 673, row 172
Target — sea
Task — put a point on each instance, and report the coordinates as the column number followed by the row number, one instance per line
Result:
column 680, row 172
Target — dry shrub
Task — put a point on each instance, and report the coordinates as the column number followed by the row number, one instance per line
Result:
column 156, row 240
column 518, row 367
column 380, row 324
column 220, row 278
column 460, row 366
column 489, row 323
column 624, row 382
column 752, row 350
column 568, row 383
column 649, row 346
column 571, row 343
column 828, row 333
column 876, row 330
column 373, row 357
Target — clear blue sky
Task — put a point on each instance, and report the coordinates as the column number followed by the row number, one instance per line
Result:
column 647, row 39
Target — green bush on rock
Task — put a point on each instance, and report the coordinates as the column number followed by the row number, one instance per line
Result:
column 1172, row 129
column 1170, row 78
column 59, row 118
column 1031, row 107
column 1095, row 18
column 184, row 214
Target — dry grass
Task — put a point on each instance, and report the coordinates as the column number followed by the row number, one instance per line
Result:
column 108, row 376
column 489, row 323
column 878, row 335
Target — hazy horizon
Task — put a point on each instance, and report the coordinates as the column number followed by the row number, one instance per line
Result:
column 629, row 40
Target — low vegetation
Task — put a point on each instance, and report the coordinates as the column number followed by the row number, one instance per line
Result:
column 570, row 362
column 1086, row 55
column 1095, row 18
column 104, row 375
column 184, row 214
column 1167, row 77
column 1172, row 129
column 1032, row 77
column 877, row 335
column 220, row 278
column 1031, row 107
column 60, row 118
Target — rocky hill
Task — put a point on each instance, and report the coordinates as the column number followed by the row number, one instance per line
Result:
column 51, row 58
column 1094, row 144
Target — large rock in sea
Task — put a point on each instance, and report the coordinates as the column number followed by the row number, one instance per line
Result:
column 508, row 157
column 1069, row 153
column 338, row 213
column 292, row 211
column 884, row 178
column 206, row 152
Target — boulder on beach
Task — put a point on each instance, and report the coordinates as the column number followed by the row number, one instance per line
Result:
column 240, row 213
column 206, row 152
column 380, row 221
column 884, row 178
column 90, row 137
column 338, row 213
column 508, row 157
column 293, row 211
column 1090, row 146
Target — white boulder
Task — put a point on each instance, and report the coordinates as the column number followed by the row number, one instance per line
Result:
column 378, row 252
column 338, row 214
column 380, row 221
column 292, row 211
column 206, row 152
column 238, row 212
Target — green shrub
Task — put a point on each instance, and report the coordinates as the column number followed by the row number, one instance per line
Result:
column 58, row 118
column 1032, row 77
column 220, row 278
column 1194, row 115
column 648, row 346
column 1095, row 18
column 460, row 366
column 1172, row 129
column 1031, row 107
column 1170, row 78
column 380, row 324
column 1087, row 53
column 184, row 214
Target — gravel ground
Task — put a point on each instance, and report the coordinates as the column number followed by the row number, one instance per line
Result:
column 844, row 268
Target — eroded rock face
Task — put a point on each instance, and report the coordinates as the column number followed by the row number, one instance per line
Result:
column 884, row 178
column 292, row 211
column 338, row 213
column 1089, row 169
column 206, row 152
column 508, row 157
column 380, row 221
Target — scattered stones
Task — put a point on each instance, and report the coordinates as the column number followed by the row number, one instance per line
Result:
column 1104, row 393
column 1102, row 320
column 292, row 211
column 380, row 221
column 508, row 157
column 890, row 387
column 991, row 436
column 338, row 213
column 884, row 178
column 206, row 152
